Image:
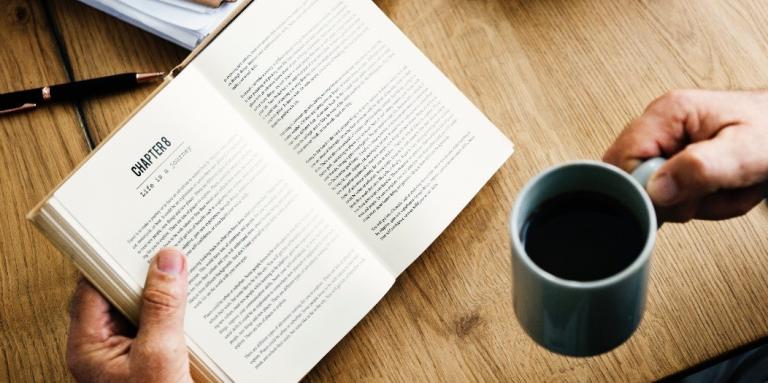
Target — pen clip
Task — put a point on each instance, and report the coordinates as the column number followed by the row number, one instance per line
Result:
column 19, row 108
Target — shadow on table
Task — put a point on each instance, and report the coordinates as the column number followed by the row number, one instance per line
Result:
column 748, row 364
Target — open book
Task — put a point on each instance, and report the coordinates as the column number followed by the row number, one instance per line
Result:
column 302, row 160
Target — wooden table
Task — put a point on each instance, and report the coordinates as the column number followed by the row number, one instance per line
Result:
column 559, row 77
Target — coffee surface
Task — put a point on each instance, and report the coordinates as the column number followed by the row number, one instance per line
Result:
column 583, row 236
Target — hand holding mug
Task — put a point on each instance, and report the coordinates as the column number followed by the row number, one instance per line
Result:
column 717, row 146
column 582, row 233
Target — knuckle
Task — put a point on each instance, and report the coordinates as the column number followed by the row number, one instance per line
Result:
column 697, row 166
column 673, row 100
column 160, row 300
column 662, row 100
column 678, row 96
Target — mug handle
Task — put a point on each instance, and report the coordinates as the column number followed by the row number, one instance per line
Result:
column 644, row 172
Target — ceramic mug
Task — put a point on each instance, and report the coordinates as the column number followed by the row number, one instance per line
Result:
column 582, row 318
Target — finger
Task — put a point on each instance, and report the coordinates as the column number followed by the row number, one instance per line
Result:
column 89, row 315
column 648, row 136
column 723, row 162
column 701, row 114
column 89, row 342
column 731, row 203
column 161, row 319
column 675, row 119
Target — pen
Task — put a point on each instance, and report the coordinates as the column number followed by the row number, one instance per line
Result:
column 31, row 98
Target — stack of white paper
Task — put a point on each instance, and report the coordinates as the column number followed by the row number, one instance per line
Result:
column 179, row 21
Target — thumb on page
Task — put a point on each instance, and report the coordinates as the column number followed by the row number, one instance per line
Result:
column 160, row 337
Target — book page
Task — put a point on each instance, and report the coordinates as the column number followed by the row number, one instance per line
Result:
column 275, row 279
column 367, row 121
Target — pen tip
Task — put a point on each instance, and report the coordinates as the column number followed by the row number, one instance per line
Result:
column 149, row 77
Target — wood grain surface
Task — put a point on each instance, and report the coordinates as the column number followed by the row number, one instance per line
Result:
column 37, row 150
column 560, row 77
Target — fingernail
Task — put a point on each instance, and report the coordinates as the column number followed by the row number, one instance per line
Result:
column 662, row 188
column 170, row 261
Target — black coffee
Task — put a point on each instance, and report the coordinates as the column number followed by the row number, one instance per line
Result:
column 583, row 236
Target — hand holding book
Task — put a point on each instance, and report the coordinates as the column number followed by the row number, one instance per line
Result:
column 102, row 346
column 301, row 170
